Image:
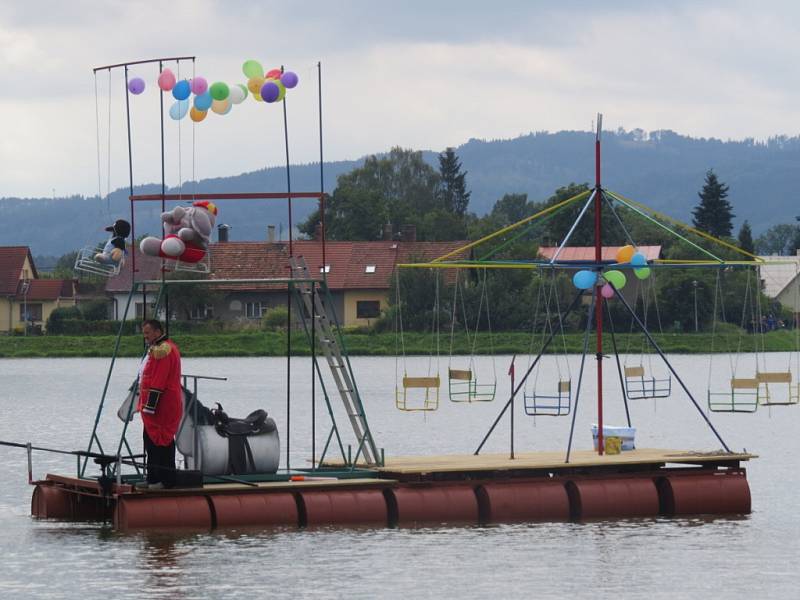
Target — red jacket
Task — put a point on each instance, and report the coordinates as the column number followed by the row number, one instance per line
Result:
column 162, row 372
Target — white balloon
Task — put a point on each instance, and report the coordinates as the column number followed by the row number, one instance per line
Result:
column 237, row 94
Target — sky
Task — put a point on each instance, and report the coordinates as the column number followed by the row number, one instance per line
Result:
column 418, row 74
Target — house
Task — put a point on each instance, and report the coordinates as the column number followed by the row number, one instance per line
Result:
column 359, row 276
column 780, row 280
column 118, row 288
column 26, row 299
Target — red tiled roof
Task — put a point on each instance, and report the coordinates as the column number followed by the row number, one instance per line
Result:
column 147, row 268
column 45, row 289
column 587, row 252
column 12, row 258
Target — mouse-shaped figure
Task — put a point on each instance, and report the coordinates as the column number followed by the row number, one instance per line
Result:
column 188, row 231
column 114, row 249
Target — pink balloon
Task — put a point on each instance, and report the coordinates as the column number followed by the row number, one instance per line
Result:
column 166, row 80
column 199, row 86
column 607, row 291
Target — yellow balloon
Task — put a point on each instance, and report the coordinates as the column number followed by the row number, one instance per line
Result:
column 257, row 97
column 281, row 91
column 197, row 115
column 254, row 84
column 625, row 254
column 220, row 106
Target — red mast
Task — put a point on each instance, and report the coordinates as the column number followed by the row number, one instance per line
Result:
column 598, row 256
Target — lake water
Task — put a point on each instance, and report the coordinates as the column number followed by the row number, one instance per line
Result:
column 52, row 403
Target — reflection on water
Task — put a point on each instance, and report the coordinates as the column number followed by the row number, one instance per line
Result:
column 53, row 403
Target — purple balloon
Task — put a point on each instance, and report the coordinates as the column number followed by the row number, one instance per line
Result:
column 289, row 79
column 136, row 86
column 270, row 91
column 199, row 86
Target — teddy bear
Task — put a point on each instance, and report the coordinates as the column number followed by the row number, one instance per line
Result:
column 188, row 231
column 114, row 249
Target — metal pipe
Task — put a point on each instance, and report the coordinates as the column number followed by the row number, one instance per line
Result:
column 580, row 374
column 143, row 62
column 29, row 450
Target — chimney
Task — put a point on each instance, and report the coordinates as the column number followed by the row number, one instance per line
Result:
column 318, row 232
column 270, row 233
column 409, row 233
column 387, row 232
column 222, row 233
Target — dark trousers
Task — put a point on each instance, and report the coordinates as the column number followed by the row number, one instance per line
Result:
column 160, row 462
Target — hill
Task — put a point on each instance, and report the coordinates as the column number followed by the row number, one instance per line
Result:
column 662, row 169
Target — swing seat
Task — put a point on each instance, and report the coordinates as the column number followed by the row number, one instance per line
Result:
column 550, row 405
column 640, row 387
column 201, row 266
column 86, row 262
column 782, row 381
column 409, row 401
column 462, row 387
column 743, row 397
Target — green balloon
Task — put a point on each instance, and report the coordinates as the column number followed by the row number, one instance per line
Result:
column 219, row 90
column 616, row 278
column 252, row 68
column 642, row 273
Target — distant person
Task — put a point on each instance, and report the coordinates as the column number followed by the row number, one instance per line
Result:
column 161, row 404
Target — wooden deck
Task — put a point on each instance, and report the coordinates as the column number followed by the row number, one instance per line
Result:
column 410, row 465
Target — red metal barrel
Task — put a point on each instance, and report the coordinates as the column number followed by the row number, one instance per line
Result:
column 343, row 507
column 146, row 511
column 613, row 497
column 722, row 492
column 239, row 510
column 523, row 501
column 50, row 502
column 441, row 504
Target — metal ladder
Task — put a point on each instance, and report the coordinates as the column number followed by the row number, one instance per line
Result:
column 327, row 337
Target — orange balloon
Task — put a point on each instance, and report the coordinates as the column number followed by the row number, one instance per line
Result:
column 197, row 115
column 625, row 254
column 254, row 84
column 221, row 106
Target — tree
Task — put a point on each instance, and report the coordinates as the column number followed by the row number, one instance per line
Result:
column 779, row 239
column 746, row 238
column 714, row 213
column 399, row 188
column 453, row 191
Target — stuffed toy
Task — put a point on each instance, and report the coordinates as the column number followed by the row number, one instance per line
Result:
column 114, row 249
column 188, row 231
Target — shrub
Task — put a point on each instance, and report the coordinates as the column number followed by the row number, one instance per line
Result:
column 274, row 319
column 55, row 322
column 96, row 310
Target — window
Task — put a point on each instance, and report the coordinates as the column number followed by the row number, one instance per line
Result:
column 30, row 312
column 368, row 309
column 369, row 269
column 254, row 310
column 151, row 310
column 325, row 269
column 202, row 311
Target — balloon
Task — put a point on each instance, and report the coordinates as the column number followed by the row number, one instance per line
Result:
column 197, row 115
column 136, row 86
column 252, row 68
column 181, row 90
column 178, row 110
column 607, row 291
column 254, row 84
column 199, row 86
column 257, row 97
column 270, row 91
column 203, row 102
column 219, row 90
column 238, row 93
column 274, row 74
column 616, row 278
column 625, row 253
column 281, row 91
column 642, row 272
column 289, row 79
column 583, row 280
column 221, row 107
column 638, row 260
column 166, row 80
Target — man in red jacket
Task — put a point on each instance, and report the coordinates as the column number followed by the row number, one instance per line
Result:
column 160, row 403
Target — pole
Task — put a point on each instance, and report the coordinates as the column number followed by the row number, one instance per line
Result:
column 288, row 170
column 288, row 369
column 313, row 376
column 130, row 166
column 694, row 285
column 598, row 257
column 511, row 373
column 321, row 169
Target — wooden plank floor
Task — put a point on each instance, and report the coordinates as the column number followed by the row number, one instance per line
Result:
column 547, row 460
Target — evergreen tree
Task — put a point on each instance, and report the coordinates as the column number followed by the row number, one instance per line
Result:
column 454, row 194
column 746, row 238
column 714, row 214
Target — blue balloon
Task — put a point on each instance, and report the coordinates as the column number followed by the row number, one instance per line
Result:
column 638, row 260
column 583, row 280
column 181, row 90
column 178, row 110
column 203, row 101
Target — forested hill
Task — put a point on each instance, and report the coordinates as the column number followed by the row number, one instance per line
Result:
column 662, row 169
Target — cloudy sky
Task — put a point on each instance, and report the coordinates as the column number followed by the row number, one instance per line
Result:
column 420, row 74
